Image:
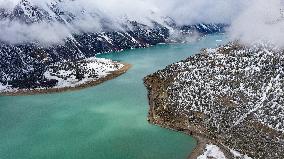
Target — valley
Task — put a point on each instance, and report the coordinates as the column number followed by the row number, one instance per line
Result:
column 98, row 122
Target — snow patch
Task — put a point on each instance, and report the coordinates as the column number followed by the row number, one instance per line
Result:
column 212, row 151
column 3, row 87
column 239, row 155
column 6, row 88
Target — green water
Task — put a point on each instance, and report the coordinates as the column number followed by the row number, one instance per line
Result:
column 104, row 122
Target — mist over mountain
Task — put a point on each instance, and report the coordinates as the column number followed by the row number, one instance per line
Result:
column 260, row 22
column 32, row 20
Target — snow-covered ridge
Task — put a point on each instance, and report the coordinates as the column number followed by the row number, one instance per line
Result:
column 232, row 94
column 52, row 21
column 59, row 20
column 250, row 78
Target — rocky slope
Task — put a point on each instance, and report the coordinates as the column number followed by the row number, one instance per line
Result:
column 232, row 95
column 23, row 63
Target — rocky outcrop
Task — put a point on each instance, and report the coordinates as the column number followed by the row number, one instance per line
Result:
column 232, row 95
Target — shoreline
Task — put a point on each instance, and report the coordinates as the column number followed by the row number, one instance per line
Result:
column 110, row 76
column 159, row 115
column 201, row 139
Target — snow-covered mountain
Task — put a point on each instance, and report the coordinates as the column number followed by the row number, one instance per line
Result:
column 36, row 34
column 232, row 95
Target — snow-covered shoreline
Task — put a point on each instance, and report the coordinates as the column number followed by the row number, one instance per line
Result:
column 92, row 71
column 94, row 68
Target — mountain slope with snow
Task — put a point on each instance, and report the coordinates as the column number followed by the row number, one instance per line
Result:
column 232, row 95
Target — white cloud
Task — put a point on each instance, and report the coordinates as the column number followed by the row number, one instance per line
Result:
column 260, row 22
column 45, row 33
column 250, row 19
column 196, row 11
column 8, row 3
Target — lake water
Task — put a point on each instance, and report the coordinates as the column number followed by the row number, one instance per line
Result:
column 103, row 122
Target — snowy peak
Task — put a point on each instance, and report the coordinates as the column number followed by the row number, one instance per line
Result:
column 26, row 12
column 29, row 12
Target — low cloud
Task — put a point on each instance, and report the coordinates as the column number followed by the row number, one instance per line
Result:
column 8, row 3
column 259, row 22
column 249, row 19
column 44, row 32
column 203, row 11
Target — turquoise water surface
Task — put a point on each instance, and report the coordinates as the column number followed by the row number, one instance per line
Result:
column 103, row 122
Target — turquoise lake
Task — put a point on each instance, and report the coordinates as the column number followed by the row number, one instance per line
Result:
column 108, row 121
